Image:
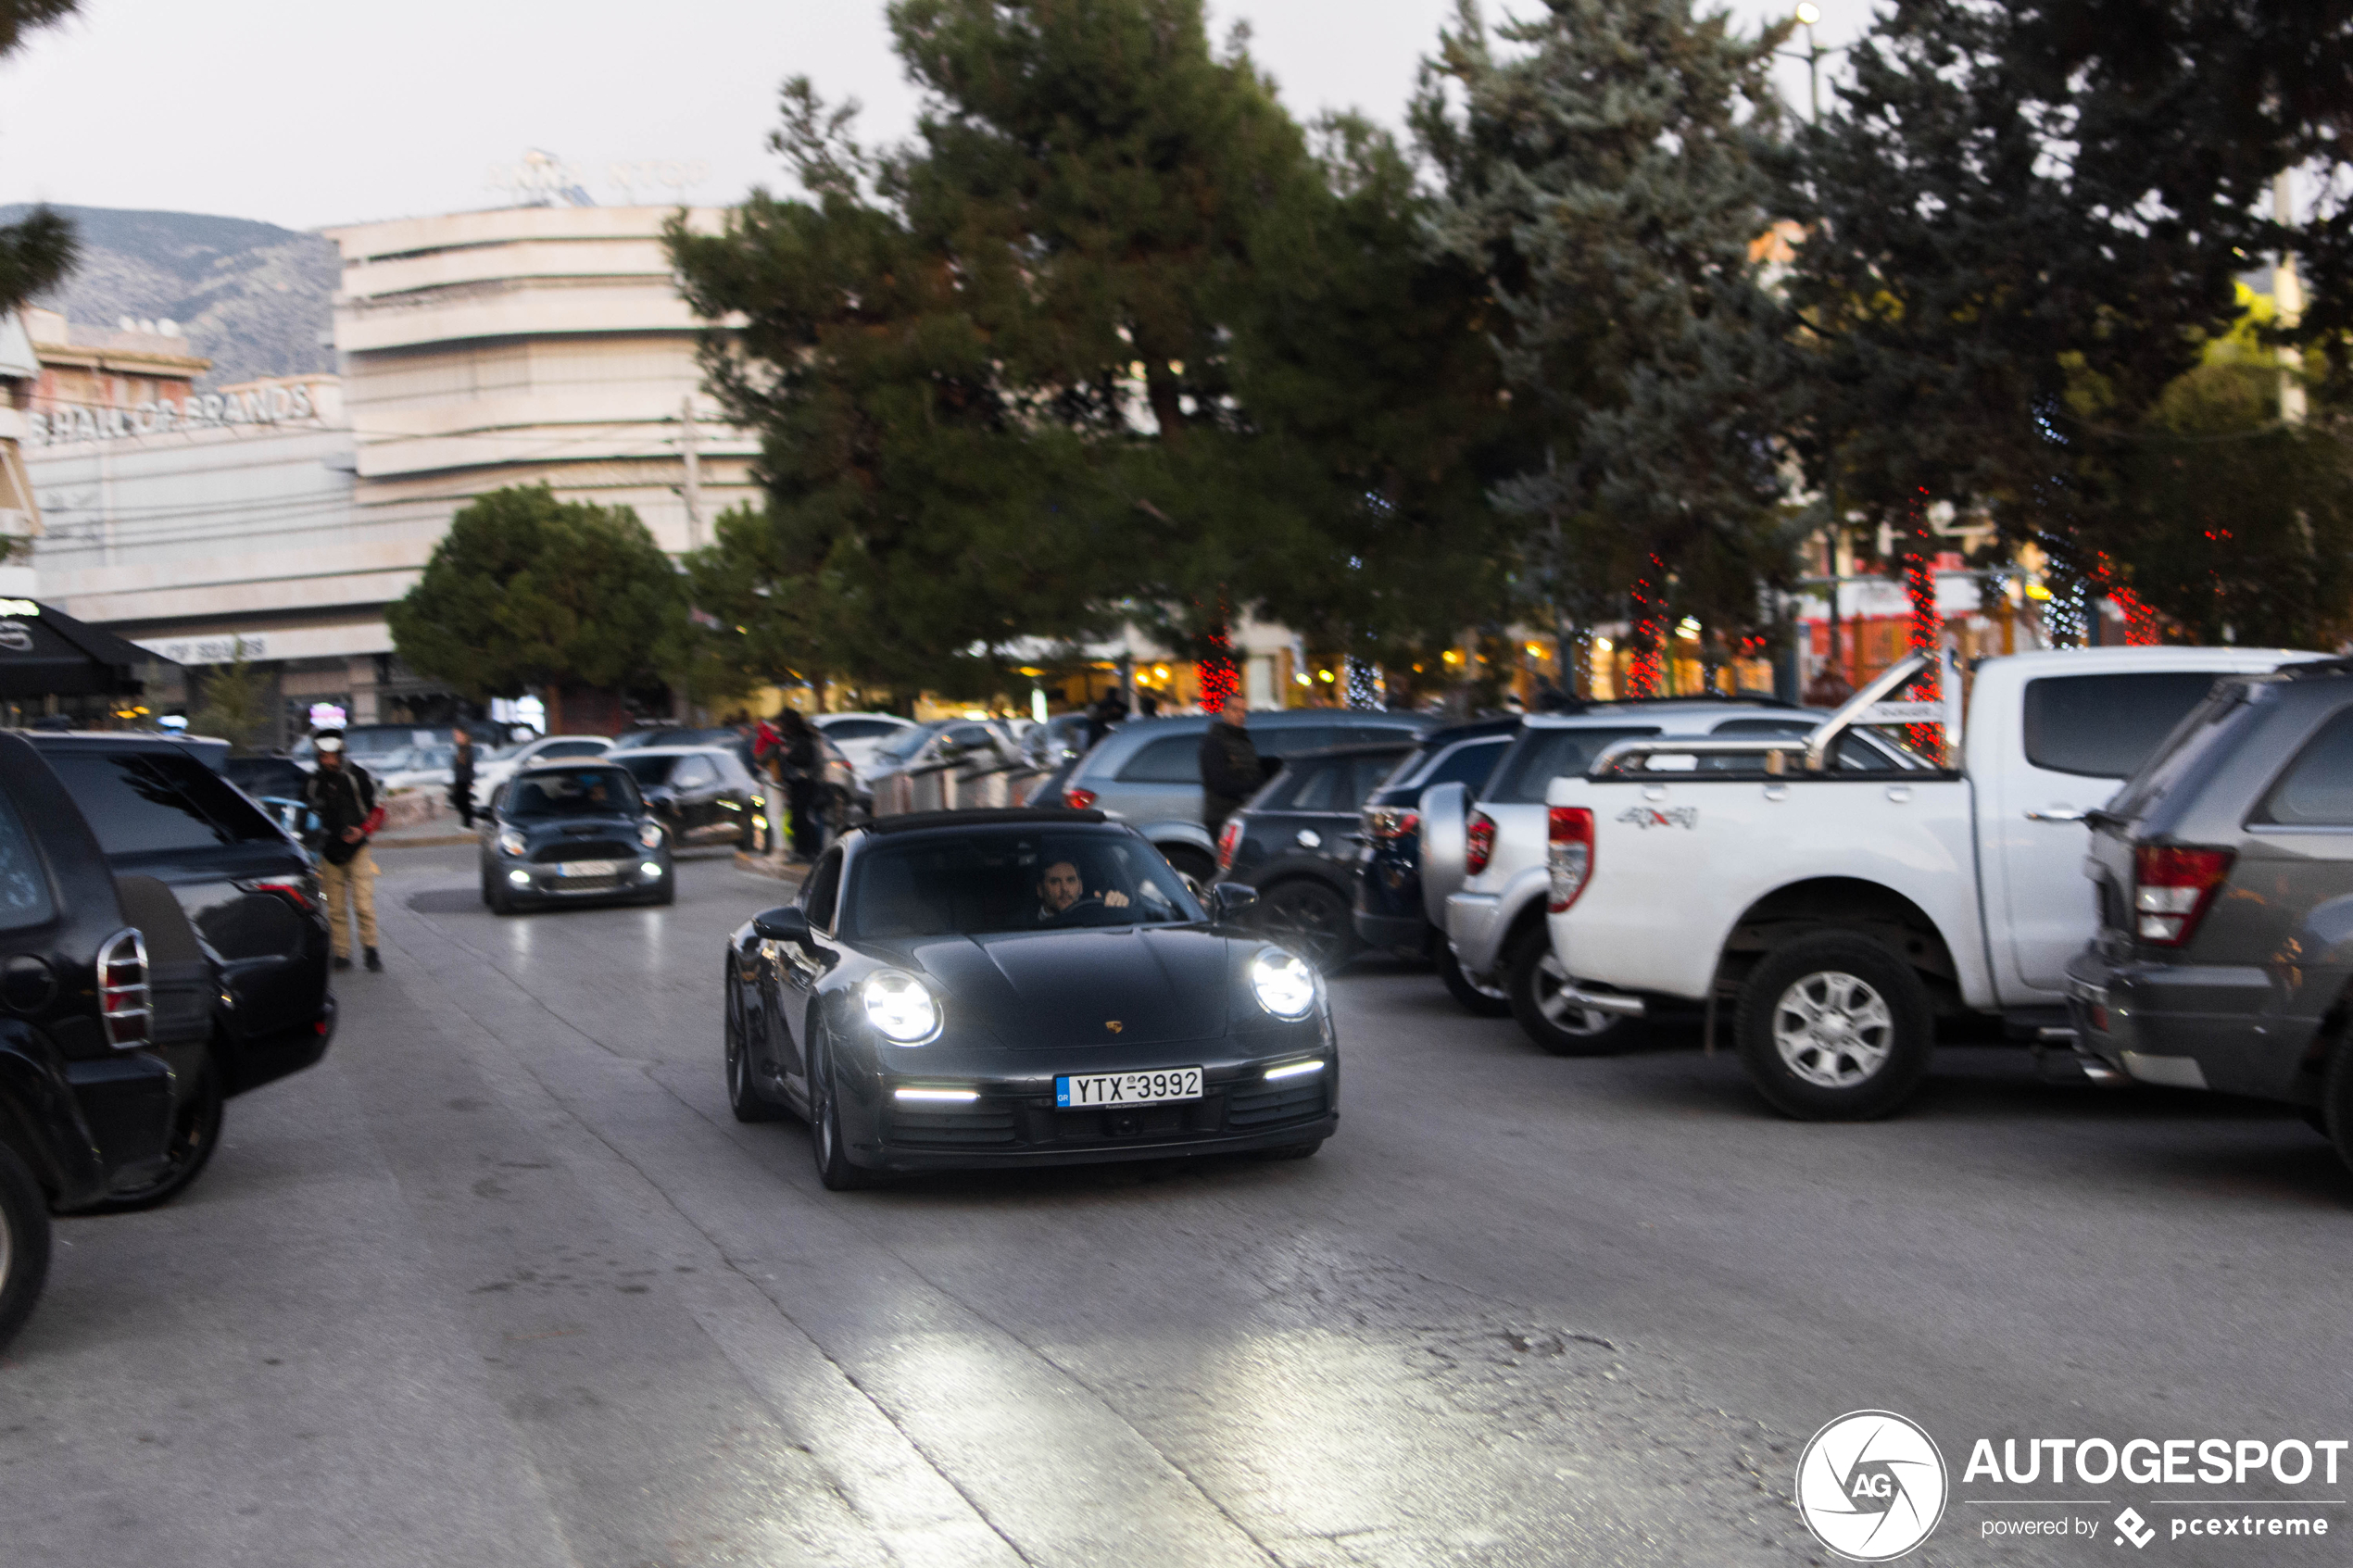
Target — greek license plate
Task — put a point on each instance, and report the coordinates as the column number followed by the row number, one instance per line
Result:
column 1078, row 1092
column 588, row 867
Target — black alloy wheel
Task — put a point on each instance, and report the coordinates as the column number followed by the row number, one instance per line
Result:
column 833, row 1169
column 1538, row 990
column 1311, row 920
column 743, row 1096
column 24, row 1243
column 1477, row 997
column 1834, row 1027
column 2336, row 1103
column 195, row 1132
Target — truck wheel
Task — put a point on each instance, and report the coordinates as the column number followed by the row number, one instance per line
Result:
column 1487, row 1001
column 1536, row 982
column 24, row 1244
column 1834, row 1027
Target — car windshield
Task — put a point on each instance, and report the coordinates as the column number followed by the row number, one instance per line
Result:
column 976, row 884
column 649, row 770
column 573, row 792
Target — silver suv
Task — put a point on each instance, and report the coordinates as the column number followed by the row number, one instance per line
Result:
column 1148, row 770
column 1484, row 873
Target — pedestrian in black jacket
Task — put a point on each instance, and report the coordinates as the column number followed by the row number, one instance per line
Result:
column 345, row 797
column 461, row 776
column 1231, row 773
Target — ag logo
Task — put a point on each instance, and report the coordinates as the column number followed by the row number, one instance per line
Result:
column 16, row 636
column 1871, row 1486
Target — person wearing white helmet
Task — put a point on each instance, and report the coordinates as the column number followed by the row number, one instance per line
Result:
column 345, row 797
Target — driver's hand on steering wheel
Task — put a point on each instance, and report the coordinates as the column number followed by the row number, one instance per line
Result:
column 1114, row 899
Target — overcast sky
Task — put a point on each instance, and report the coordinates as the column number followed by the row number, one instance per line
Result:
column 308, row 114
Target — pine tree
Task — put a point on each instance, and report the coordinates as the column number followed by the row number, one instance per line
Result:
column 1608, row 168
column 38, row 251
column 1106, row 341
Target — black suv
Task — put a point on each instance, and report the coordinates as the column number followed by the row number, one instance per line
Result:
column 1387, row 885
column 1295, row 842
column 249, row 889
column 2224, row 871
column 106, row 1024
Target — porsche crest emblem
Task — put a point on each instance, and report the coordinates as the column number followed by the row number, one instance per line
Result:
column 1112, row 1024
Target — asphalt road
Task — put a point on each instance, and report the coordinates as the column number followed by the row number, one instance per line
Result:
column 502, row 1282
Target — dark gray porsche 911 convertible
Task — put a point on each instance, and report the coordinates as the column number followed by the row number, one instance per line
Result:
column 990, row 988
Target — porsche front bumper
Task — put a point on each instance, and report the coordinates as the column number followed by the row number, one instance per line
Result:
column 1013, row 1118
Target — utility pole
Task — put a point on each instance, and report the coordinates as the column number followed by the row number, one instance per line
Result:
column 2288, row 304
column 693, row 492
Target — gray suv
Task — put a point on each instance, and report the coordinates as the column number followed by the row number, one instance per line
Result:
column 1148, row 770
column 2224, row 871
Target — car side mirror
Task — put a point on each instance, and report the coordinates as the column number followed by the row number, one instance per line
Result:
column 1229, row 901
column 783, row 923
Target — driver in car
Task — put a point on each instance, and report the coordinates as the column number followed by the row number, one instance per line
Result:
column 1063, row 898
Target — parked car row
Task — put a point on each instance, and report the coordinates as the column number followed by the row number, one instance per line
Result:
column 163, row 949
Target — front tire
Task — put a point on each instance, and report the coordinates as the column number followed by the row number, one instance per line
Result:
column 24, row 1244
column 835, row 1172
column 1312, row 920
column 743, row 1094
column 195, row 1132
column 1537, row 983
column 1476, row 997
column 1834, row 1027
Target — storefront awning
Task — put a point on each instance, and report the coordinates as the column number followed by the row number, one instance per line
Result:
column 45, row 652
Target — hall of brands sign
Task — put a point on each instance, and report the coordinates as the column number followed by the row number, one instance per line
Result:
column 210, row 410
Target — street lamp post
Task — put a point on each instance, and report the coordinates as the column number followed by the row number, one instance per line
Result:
column 1807, row 14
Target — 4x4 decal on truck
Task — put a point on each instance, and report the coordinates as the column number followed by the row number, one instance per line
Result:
column 1661, row 816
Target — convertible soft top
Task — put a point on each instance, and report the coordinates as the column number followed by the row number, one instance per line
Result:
column 915, row 821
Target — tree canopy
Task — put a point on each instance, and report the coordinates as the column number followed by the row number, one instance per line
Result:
column 526, row 590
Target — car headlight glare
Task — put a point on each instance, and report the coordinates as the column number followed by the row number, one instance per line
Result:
column 511, row 842
column 650, row 835
column 901, row 1007
column 1284, row 984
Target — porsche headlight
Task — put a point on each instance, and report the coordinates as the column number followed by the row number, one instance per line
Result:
column 1284, row 984
column 650, row 835
column 901, row 1008
column 511, row 842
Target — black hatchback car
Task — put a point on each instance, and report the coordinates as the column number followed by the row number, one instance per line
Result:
column 249, row 888
column 703, row 794
column 2224, row 873
column 106, row 1029
column 1296, row 843
column 574, row 832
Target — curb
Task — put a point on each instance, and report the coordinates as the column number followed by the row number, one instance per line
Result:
column 434, row 841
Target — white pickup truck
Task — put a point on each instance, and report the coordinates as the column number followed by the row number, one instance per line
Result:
column 1843, row 912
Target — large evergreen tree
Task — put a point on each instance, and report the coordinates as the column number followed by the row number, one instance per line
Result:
column 1105, row 339
column 1608, row 164
column 38, row 251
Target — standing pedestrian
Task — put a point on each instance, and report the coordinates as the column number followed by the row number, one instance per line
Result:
column 462, row 776
column 344, row 798
column 797, row 754
column 1110, row 710
column 1230, row 771
column 767, row 761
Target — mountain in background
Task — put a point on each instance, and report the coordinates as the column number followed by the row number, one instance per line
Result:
column 252, row 297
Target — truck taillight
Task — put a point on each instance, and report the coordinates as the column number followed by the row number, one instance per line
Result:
column 2173, row 887
column 124, row 1002
column 1386, row 823
column 1568, row 851
column 1078, row 799
column 1228, row 840
column 1478, row 842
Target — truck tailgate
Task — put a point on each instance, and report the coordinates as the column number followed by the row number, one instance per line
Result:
column 1679, row 860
